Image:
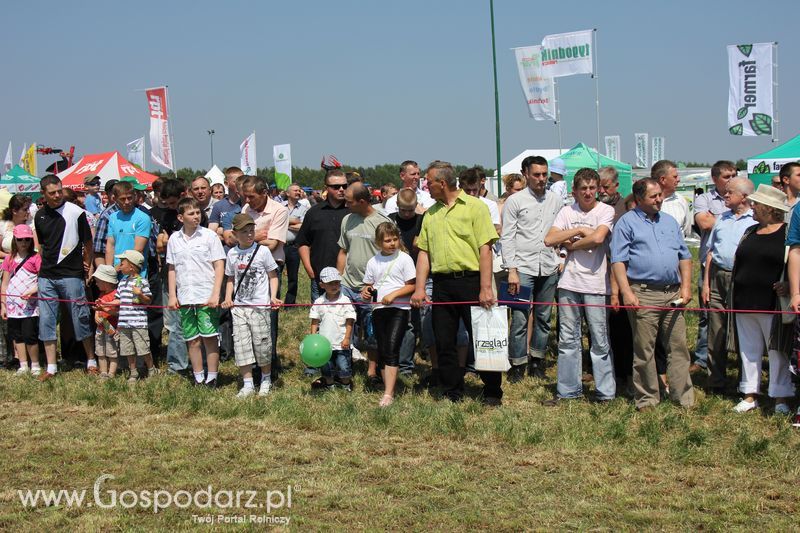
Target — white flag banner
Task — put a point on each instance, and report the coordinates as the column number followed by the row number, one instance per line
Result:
column 612, row 147
column 160, row 142
column 641, row 143
column 658, row 149
column 22, row 155
column 247, row 158
column 538, row 90
column 282, row 156
column 565, row 54
column 750, row 110
column 136, row 152
column 8, row 162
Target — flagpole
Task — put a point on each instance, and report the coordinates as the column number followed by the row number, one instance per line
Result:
column 496, row 100
column 172, row 133
column 558, row 114
column 775, row 120
column 144, row 153
column 597, row 94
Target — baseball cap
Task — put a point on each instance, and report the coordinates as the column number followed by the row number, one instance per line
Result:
column 106, row 273
column 241, row 221
column 329, row 274
column 558, row 166
column 133, row 181
column 133, row 256
column 91, row 178
column 23, row 231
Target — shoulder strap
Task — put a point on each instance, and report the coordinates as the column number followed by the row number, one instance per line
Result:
column 250, row 262
column 19, row 266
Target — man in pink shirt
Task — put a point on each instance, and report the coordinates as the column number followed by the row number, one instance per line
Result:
column 583, row 229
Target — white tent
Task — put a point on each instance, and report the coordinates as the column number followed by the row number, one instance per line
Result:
column 215, row 175
column 515, row 165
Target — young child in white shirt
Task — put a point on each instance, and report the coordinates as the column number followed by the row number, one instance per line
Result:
column 333, row 316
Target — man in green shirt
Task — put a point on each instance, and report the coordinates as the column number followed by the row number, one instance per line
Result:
column 455, row 248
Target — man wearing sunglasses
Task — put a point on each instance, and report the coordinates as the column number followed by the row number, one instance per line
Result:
column 319, row 234
column 527, row 217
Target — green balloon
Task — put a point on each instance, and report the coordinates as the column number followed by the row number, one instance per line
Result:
column 315, row 350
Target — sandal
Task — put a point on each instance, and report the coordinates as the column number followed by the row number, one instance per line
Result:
column 386, row 401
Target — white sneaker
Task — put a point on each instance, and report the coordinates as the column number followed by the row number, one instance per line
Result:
column 357, row 355
column 744, row 406
column 36, row 371
column 264, row 389
column 782, row 409
column 244, row 392
column 21, row 371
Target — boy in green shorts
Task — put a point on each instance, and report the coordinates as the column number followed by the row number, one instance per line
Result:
column 196, row 264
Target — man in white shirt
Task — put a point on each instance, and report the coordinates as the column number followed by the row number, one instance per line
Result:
column 674, row 204
column 557, row 184
column 409, row 175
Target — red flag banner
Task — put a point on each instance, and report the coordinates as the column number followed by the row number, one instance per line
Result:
column 160, row 145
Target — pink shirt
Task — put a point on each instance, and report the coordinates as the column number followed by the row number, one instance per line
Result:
column 24, row 280
column 274, row 217
column 586, row 271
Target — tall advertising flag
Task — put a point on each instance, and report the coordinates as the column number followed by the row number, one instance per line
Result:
column 29, row 160
column 565, row 54
column 750, row 109
column 538, row 90
column 136, row 152
column 247, row 158
column 160, row 142
column 612, row 147
column 282, row 155
column 658, row 149
column 8, row 162
column 22, row 155
column 641, row 142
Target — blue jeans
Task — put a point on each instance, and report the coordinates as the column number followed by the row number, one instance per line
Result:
column 316, row 292
column 63, row 289
column 177, row 353
column 407, row 348
column 543, row 290
column 570, row 346
column 363, row 313
column 701, row 348
column 341, row 363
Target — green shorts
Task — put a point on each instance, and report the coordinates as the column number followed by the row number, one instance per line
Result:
column 199, row 321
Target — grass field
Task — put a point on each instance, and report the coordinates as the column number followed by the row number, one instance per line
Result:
column 423, row 464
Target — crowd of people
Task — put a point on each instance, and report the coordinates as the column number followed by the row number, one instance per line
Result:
column 206, row 262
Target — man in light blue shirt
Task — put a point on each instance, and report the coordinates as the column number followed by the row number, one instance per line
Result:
column 128, row 228
column 722, row 243
column 653, row 267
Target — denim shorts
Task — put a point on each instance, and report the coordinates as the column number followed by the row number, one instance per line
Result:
column 63, row 289
column 340, row 364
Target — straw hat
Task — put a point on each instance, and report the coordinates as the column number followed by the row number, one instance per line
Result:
column 769, row 195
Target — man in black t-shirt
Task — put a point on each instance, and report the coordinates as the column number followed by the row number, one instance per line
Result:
column 65, row 243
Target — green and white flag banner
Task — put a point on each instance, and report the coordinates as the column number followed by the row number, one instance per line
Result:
column 750, row 106
column 538, row 90
column 565, row 54
column 282, row 156
column 247, row 155
column 612, row 147
column 658, row 149
column 641, row 142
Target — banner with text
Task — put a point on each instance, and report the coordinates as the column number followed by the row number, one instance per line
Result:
column 658, row 149
column 641, row 140
column 247, row 157
column 612, row 147
column 160, row 142
column 282, row 156
column 538, row 90
column 750, row 110
column 565, row 54
column 136, row 152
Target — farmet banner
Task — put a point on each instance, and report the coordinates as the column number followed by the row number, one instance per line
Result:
column 750, row 109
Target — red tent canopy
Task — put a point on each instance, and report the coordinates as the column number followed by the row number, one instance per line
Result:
column 110, row 165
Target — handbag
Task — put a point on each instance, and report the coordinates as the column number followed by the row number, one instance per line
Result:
column 225, row 315
column 490, row 338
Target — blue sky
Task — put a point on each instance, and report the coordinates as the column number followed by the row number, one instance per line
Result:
column 377, row 82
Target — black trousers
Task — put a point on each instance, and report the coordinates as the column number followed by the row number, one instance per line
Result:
column 445, row 325
column 155, row 315
column 389, row 324
column 621, row 340
column 292, row 267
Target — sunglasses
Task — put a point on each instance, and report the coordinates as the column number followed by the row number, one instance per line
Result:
column 24, row 239
column 338, row 186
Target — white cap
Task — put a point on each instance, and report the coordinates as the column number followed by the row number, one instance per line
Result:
column 329, row 274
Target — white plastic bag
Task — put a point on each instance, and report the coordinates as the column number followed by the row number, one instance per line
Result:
column 490, row 338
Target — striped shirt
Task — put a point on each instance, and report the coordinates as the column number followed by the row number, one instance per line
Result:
column 132, row 316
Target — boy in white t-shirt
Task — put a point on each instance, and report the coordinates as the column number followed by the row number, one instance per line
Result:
column 252, row 284
column 583, row 230
column 333, row 316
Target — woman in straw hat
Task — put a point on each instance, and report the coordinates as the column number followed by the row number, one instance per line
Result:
column 758, row 279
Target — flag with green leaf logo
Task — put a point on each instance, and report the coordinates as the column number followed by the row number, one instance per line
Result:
column 282, row 155
column 750, row 106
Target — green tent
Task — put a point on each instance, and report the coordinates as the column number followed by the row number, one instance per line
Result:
column 17, row 180
column 761, row 168
column 584, row 157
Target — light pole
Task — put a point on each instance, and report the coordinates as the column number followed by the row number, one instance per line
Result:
column 211, row 138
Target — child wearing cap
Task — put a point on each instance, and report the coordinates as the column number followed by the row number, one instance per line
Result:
column 196, row 266
column 252, row 286
column 133, row 289
column 17, row 302
column 332, row 316
column 105, row 316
